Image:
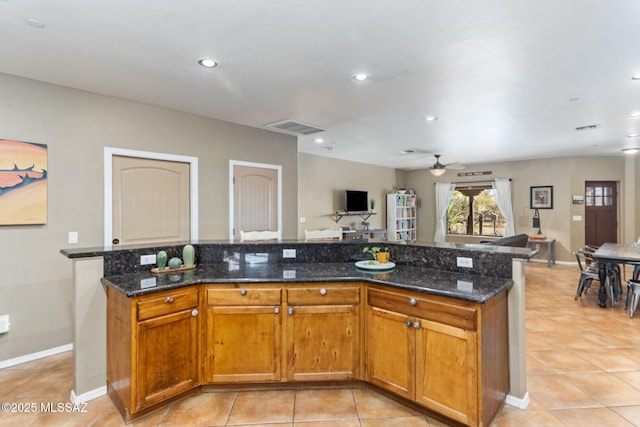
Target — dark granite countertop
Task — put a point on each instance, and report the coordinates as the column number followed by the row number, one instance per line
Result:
column 462, row 286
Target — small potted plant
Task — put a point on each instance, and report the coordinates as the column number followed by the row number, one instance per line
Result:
column 365, row 225
column 379, row 254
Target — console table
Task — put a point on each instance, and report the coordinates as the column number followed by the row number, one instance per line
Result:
column 365, row 234
column 551, row 248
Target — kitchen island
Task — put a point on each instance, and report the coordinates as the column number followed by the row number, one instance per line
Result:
column 435, row 337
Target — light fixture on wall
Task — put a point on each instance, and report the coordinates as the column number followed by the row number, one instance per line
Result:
column 536, row 220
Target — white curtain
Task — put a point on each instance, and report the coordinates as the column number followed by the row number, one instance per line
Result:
column 444, row 192
column 503, row 200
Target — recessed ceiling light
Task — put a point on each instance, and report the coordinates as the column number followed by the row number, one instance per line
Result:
column 208, row 63
column 574, row 99
column 360, row 77
column 430, row 118
column 34, row 23
column 318, row 140
column 636, row 77
column 407, row 151
column 633, row 135
column 631, row 150
column 635, row 115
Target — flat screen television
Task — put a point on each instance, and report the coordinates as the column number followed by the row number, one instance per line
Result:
column 356, row 201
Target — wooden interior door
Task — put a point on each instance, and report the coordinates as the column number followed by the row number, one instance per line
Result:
column 151, row 201
column 601, row 212
column 255, row 199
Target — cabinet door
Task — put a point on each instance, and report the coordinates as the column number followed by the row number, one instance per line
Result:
column 244, row 344
column 446, row 371
column 390, row 354
column 323, row 342
column 167, row 356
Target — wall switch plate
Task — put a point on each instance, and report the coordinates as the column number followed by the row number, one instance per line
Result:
column 303, row 220
column 147, row 259
column 464, row 262
column 73, row 237
column 288, row 274
column 288, row 253
column 577, row 217
column 4, row 324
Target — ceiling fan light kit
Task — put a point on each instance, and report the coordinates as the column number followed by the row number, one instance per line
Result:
column 438, row 168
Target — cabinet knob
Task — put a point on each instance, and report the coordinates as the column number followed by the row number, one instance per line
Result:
column 277, row 310
column 416, row 325
column 290, row 311
column 323, row 291
column 413, row 301
column 194, row 312
column 409, row 323
column 243, row 292
column 168, row 300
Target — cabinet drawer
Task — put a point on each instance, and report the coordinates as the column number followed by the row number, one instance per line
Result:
column 424, row 308
column 167, row 303
column 326, row 295
column 244, row 296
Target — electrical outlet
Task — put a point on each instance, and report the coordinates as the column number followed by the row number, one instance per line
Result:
column 4, row 324
column 288, row 253
column 73, row 237
column 288, row 274
column 147, row 259
column 464, row 262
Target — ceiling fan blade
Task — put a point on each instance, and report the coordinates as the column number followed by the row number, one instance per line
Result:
column 455, row 166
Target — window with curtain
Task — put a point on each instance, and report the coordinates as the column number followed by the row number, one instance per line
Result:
column 473, row 210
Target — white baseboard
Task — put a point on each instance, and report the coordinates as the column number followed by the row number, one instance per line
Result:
column 90, row 395
column 35, row 356
column 521, row 403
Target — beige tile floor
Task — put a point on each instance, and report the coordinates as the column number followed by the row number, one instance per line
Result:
column 583, row 366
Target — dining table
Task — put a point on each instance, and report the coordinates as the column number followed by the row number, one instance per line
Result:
column 609, row 256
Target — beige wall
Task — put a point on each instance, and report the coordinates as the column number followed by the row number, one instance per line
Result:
column 322, row 182
column 36, row 289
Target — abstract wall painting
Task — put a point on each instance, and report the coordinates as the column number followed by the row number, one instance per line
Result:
column 23, row 183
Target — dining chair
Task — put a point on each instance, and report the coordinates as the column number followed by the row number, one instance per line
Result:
column 328, row 234
column 248, row 236
column 633, row 296
column 588, row 270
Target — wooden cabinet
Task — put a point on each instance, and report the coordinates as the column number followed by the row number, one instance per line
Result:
column 323, row 332
column 255, row 334
column 243, row 334
column 427, row 349
column 448, row 355
column 153, row 347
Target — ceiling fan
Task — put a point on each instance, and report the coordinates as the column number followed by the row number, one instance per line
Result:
column 438, row 168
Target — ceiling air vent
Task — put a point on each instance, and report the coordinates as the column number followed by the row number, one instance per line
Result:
column 587, row 127
column 291, row 126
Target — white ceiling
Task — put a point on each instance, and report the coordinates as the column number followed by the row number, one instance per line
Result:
column 498, row 74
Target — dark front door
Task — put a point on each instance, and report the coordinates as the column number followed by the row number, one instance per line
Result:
column 601, row 212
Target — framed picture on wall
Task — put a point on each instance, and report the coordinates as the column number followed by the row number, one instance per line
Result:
column 542, row 197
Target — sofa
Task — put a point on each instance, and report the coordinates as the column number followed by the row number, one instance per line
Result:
column 518, row 241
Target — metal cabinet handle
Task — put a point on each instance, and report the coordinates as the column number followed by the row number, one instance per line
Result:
column 413, row 301
column 323, row 291
column 416, row 325
column 243, row 292
column 194, row 312
column 277, row 310
column 290, row 311
column 409, row 324
column 168, row 300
